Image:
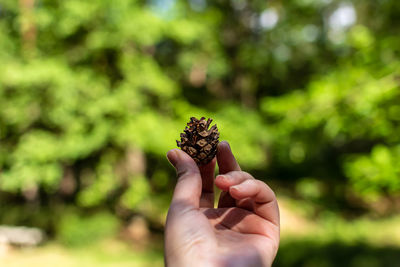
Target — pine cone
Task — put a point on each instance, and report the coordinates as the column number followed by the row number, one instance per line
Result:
column 198, row 141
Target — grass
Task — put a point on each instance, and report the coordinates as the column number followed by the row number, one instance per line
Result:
column 105, row 253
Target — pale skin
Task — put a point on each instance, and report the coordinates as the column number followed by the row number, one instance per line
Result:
column 242, row 231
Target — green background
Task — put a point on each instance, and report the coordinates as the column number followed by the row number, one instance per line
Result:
column 94, row 93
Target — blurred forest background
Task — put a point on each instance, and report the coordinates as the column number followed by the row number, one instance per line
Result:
column 94, row 93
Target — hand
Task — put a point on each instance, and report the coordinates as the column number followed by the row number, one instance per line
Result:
column 242, row 231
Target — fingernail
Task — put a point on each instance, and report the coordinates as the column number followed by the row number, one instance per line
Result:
column 235, row 188
column 228, row 144
column 225, row 142
column 222, row 177
column 178, row 153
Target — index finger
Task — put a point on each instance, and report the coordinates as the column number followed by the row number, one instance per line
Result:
column 226, row 163
column 265, row 203
column 226, row 159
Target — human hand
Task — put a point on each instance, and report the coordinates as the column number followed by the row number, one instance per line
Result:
column 242, row 231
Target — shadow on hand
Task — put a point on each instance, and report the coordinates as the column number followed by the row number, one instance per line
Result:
column 245, row 255
column 233, row 216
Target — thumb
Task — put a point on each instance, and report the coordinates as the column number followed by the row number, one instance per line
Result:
column 188, row 187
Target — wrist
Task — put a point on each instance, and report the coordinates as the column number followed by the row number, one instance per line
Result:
column 188, row 260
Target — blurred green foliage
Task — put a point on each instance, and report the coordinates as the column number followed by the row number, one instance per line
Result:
column 81, row 231
column 316, row 253
column 93, row 94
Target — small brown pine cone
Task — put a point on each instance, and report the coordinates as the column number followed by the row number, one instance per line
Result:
column 198, row 141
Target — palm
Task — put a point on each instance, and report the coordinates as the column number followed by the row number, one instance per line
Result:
column 227, row 232
column 242, row 231
column 230, row 226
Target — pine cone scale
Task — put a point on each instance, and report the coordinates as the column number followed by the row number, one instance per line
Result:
column 199, row 141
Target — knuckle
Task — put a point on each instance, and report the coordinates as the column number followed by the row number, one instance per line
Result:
column 247, row 175
column 181, row 174
column 240, row 175
column 179, row 207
